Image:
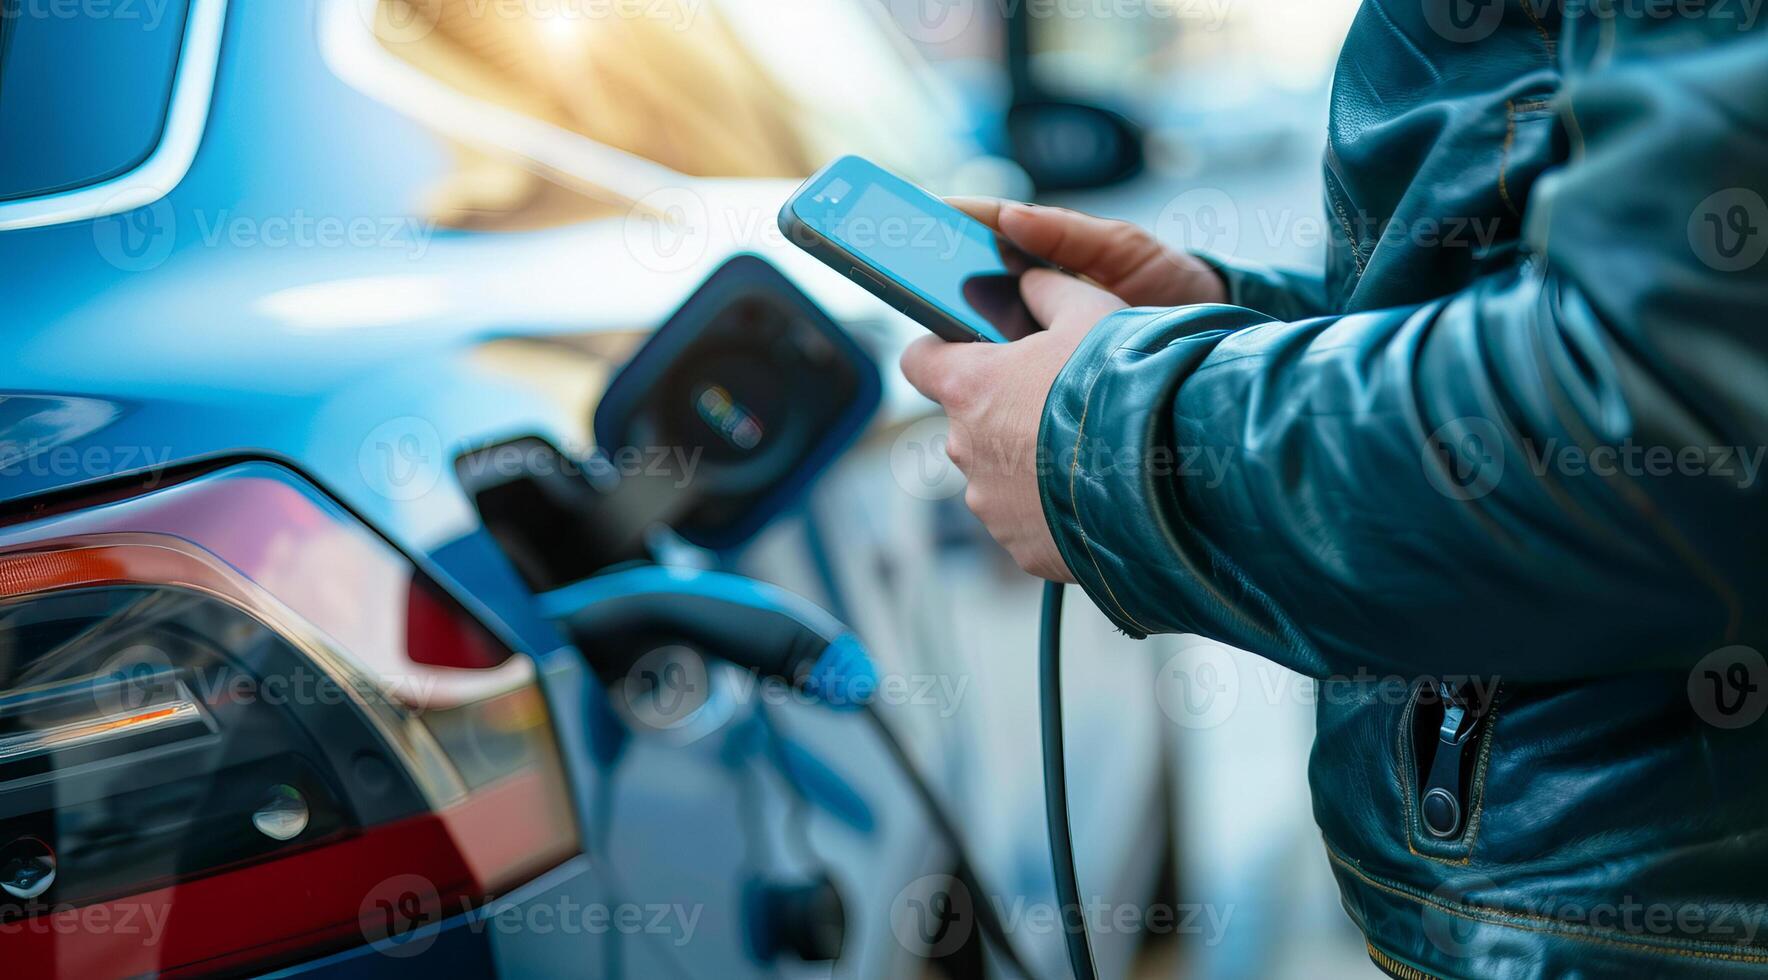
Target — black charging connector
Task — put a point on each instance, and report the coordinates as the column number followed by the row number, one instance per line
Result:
column 1074, row 930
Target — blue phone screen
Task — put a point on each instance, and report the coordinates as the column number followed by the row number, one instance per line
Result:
column 948, row 258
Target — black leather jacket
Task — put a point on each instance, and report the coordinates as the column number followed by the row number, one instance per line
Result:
column 1503, row 486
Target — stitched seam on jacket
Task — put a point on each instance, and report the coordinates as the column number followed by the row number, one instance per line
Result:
column 1203, row 581
column 1547, row 42
column 1503, row 918
column 1350, row 233
column 1074, row 500
column 1504, row 152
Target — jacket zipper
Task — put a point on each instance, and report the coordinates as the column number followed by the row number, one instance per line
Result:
column 1395, row 968
column 1442, row 803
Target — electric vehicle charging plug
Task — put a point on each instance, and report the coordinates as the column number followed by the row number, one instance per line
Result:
column 756, row 626
column 772, row 632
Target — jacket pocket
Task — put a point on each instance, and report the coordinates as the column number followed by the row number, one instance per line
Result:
column 1445, row 745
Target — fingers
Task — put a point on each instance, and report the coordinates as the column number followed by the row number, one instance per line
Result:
column 1125, row 259
column 1109, row 252
column 1062, row 302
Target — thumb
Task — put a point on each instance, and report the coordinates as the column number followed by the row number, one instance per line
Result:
column 937, row 368
column 1061, row 302
column 984, row 209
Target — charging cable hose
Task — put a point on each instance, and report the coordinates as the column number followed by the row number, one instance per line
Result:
column 767, row 630
column 1068, row 903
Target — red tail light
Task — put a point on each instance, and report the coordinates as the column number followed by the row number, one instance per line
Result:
column 235, row 726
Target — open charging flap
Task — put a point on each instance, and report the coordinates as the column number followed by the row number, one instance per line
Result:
column 751, row 390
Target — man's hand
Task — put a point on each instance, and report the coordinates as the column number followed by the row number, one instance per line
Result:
column 994, row 395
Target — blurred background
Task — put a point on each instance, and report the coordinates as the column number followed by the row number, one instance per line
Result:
column 559, row 175
column 1201, row 119
column 1159, row 112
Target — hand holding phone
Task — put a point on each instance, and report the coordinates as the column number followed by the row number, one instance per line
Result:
column 939, row 266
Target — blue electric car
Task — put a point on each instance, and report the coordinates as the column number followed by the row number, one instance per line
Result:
column 384, row 593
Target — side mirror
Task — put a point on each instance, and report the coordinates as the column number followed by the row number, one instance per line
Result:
column 1068, row 146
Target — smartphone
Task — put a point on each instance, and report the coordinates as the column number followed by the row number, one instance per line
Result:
column 936, row 264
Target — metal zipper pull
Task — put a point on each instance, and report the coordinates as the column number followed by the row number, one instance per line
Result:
column 1442, row 807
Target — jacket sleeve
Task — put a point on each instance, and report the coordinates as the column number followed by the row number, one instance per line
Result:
column 1553, row 473
column 1286, row 294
